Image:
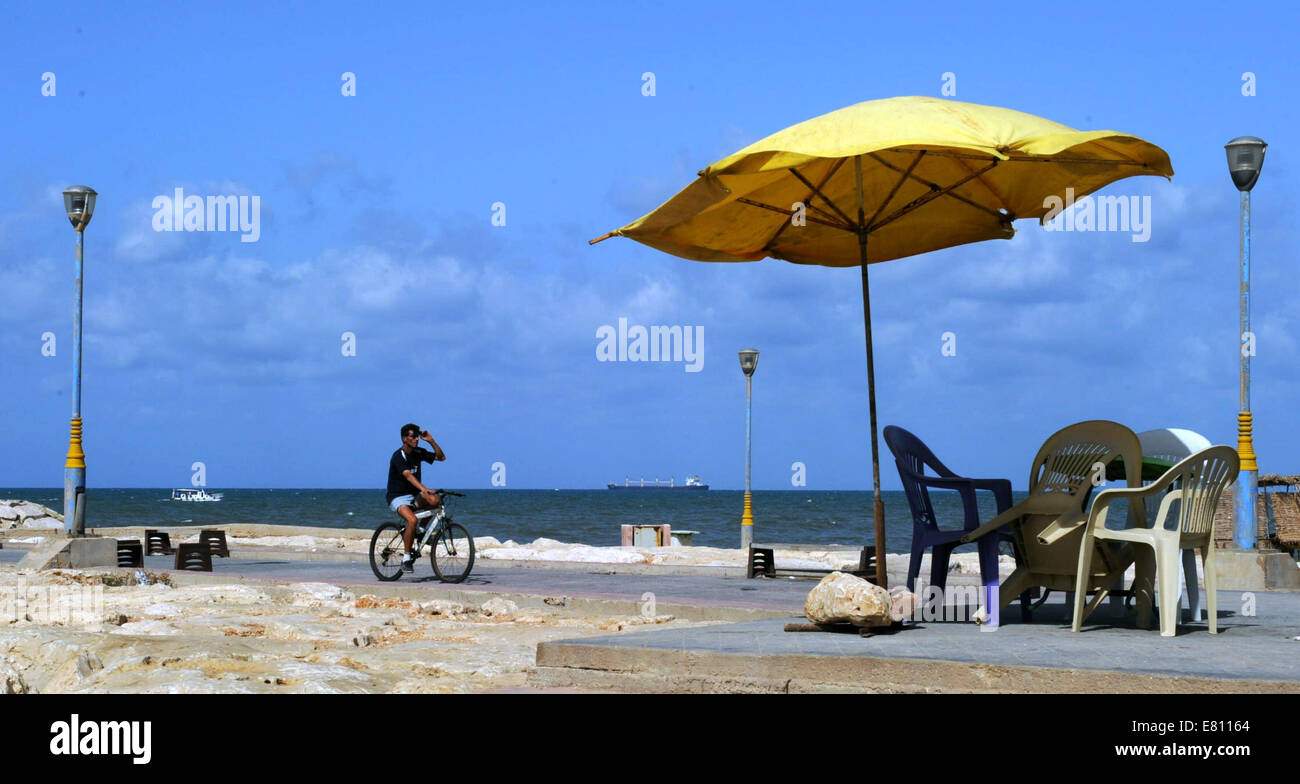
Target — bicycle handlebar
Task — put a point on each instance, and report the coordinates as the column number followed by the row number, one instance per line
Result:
column 450, row 493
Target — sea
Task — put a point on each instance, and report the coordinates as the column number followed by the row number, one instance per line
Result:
column 594, row 517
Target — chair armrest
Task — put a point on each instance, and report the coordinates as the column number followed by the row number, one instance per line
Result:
column 1001, row 489
column 992, row 525
column 1058, row 528
column 1051, row 503
column 1097, row 514
column 990, row 484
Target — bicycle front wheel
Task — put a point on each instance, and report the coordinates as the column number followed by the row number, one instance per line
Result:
column 386, row 550
column 452, row 554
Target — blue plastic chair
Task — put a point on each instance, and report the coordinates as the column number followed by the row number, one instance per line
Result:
column 912, row 457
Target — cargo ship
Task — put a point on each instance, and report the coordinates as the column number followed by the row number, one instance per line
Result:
column 692, row 483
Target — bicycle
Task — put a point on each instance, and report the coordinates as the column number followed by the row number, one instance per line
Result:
column 451, row 548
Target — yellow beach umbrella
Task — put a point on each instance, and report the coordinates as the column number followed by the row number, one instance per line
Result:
column 881, row 180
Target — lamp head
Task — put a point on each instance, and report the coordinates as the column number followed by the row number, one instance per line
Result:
column 748, row 360
column 79, row 201
column 1245, row 160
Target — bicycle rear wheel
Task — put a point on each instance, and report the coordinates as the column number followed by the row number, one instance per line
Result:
column 386, row 550
column 452, row 554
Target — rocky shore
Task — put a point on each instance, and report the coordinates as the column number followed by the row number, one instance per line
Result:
column 152, row 637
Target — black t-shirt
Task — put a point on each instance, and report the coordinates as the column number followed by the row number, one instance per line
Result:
column 399, row 462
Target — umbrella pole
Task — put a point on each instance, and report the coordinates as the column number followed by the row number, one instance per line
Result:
column 878, row 506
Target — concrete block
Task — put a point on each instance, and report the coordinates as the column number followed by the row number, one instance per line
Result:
column 1255, row 570
column 79, row 552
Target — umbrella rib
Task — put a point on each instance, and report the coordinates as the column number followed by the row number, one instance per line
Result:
column 817, row 190
column 931, row 196
column 1080, row 160
column 807, row 199
column 1027, row 159
column 935, row 186
column 989, row 187
column 788, row 213
column 897, row 185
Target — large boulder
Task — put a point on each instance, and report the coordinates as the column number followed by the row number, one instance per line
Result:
column 843, row 598
column 25, row 514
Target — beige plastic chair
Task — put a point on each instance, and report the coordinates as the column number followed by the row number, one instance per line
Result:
column 1194, row 485
column 1175, row 444
column 1049, row 524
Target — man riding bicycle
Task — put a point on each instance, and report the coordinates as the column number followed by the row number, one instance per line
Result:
column 406, row 495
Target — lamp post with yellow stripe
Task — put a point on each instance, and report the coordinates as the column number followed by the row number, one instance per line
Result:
column 748, row 362
column 79, row 201
column 1245, row 160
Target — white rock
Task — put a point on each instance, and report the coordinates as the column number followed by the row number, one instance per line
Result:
column 27, row 510
column 307, row 593
column 442, row 607
column 42, row 524
column 151, row 628
column 232, row 594
column 498, row 606
column 162, row 610
column 843, row 598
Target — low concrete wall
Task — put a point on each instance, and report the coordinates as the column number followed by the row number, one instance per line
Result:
column 1255, row 570
column 71, row 553
column 592, row 666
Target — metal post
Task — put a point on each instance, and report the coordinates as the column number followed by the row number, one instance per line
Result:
column 74, row 470
column 747, row 516
column 1245, row 525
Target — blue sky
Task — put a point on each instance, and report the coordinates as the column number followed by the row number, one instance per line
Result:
column 376, row 219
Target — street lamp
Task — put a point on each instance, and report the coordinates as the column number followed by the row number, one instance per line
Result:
column 748, row 361
column 1245, row 160
column 79, row 202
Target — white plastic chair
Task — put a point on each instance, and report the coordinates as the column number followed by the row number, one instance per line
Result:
column 1174, row 444
column 1195, row 485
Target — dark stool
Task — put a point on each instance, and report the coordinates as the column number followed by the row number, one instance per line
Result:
column 215, row 541
column 866, row 564
column 130, row 552
column 157, row 542
column 193, row 556
column 761, row 562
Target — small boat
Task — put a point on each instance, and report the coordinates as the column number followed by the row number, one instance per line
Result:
column 194, row 494
column 692, row 483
